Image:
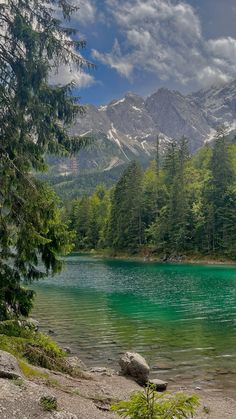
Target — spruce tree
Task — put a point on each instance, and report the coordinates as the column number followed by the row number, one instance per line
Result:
column 125, row 230
column 219, row 196
column 34, row 120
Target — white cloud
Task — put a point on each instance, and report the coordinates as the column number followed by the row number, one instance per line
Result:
column 211, row 76
column 165, row 37
column 67, row 74
column 223, row 48
column 86, row 13
column 115, row 60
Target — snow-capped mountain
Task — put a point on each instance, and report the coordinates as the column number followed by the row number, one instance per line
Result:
column 127, row 128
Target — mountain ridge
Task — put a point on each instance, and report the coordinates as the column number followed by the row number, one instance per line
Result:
column 126, row 128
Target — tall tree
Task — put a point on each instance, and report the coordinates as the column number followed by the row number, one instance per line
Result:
column 125, row 227
column 171, row 227
column 219, row 195
column 34, row 118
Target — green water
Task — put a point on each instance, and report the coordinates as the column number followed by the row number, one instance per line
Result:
column 182, row 318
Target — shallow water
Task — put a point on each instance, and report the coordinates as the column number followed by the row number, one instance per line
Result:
column 182, row 318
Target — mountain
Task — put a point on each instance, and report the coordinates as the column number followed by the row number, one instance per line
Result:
column 127, row 128
column 122, row 130
column 218, row 104
column 176, row 116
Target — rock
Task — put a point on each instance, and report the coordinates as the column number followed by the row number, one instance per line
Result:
column 159, row 384
column 9, row 367
column 135, row 365
column 67, row 349
column 103, row 371
column 33, row 324
column 76, row 363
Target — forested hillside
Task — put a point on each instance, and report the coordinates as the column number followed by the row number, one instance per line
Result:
column 182, row 205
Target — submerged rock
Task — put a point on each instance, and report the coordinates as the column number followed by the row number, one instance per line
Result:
column 9, row 367
column 158, row 384
column 67, row 349
column 135, row 366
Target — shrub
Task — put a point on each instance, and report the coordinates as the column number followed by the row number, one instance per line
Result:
column 152, row 405
column 48, row 403
column 14, row 328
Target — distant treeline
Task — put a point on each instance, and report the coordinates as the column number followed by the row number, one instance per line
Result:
column 185, row 204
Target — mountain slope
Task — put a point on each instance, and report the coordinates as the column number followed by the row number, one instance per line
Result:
column 218, row 104
column 177, row 116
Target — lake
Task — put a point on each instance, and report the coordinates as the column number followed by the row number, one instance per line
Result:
column 181, row 318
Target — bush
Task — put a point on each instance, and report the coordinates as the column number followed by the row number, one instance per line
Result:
column 48, row 403
column 152, row 405
column 14, row 328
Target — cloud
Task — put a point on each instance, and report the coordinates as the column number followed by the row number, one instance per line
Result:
column 164, row 37
column 67, row 74
column 115, row 60
column 224, row 48
column 86, row 13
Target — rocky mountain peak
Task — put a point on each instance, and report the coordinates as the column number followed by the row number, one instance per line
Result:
column 126, row 128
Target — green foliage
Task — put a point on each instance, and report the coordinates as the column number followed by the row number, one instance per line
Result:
column 14, row 328
column 34, row 120
column 31, row 372
column 186, row 206
column 152, row 405
column 48, row 403
column 206, row 410
column 88, row 218
column 125, row 230
column 34, row 347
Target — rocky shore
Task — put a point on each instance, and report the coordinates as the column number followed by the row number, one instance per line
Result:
column 88, row 396
column 191, row 259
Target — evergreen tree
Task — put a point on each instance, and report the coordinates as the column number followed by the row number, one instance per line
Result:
column 171, row 227
column 80, row 221
column 219, row 195
column 187, row 206
column 34, row 118
column 125, row 226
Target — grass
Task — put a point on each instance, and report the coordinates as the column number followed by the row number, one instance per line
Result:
column 33, row 347
column 31, row 372
column 18, row 382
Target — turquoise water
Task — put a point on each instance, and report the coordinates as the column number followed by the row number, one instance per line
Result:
column 182, row 318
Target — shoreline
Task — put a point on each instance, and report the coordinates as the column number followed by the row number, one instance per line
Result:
column 191, row 260
column 91, row 396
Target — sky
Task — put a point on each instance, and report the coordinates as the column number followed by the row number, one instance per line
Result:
column 140, row 46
